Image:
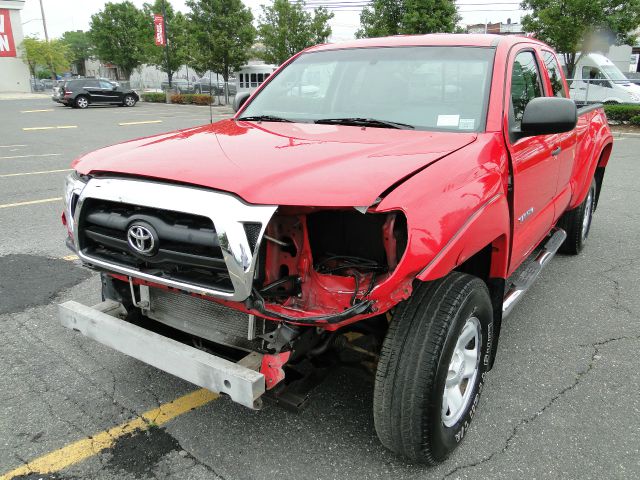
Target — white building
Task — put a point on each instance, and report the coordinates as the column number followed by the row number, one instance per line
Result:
column 14, row 73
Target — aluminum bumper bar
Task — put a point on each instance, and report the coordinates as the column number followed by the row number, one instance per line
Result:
column 101, row 323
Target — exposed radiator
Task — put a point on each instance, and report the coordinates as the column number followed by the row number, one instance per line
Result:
column 204, row 319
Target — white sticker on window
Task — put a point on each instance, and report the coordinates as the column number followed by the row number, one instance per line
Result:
column 448, row 120
column 467, row 124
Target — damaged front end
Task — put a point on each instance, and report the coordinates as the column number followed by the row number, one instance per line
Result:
column 322, row 267
column 271, row 289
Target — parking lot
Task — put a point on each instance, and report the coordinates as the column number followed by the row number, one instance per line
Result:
column 561, row 402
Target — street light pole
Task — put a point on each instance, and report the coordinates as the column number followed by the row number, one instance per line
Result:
column 166, row 40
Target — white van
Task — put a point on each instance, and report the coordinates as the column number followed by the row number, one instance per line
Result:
column 597, row 80
column 250, row 77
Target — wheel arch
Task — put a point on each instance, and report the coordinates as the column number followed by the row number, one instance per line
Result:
column 477, row 251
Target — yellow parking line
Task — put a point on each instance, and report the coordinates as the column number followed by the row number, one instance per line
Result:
column 31, row 202
column 34, row 111
column 140, row 123
column 49, row 128
column 70, row 258
column 34, row 173
column 28, row 156
column 87, row 447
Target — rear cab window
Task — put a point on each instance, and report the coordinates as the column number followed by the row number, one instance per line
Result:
column 555, row 75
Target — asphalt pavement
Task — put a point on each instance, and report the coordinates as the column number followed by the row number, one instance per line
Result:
column 561, row 402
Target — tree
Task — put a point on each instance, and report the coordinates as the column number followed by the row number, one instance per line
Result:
column 40, row 54
column 286, row 28
column 429, row 16
column 223, row 33
column 396, row 17
column 177, row 38
column 577, row 27
column 79, row 48
column 120, row 36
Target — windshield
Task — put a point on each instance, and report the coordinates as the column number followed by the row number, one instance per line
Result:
column 428, row 88
column 614, row 73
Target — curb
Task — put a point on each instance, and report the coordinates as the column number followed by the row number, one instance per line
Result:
column 221, row 107
column 625, row 134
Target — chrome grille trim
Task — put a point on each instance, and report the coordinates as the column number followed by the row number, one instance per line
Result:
column 227, row 212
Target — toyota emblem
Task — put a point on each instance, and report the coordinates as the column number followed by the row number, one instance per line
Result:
column 141, row 239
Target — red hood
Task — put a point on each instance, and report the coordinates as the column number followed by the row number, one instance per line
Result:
column 281, row 163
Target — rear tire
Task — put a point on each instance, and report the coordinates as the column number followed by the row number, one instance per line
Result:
column 81, row 102
column 432, row 367
column 577, row 223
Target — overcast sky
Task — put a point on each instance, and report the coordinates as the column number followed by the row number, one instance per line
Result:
column 63, row 15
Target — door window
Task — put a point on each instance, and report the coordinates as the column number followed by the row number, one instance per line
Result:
column 91, row 84
column 595, row 77
column 555, row 76
column 106, row 85
column 525, row 84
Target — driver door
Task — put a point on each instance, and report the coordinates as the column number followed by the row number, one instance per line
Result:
column 594, row 87
column 111, row 93
column 534, row 161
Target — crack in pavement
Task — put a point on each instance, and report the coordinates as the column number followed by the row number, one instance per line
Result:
column 595, row 355
column 617, row 297
column 197, row 461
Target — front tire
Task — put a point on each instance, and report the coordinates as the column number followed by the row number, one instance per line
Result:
column 577, row 223
column 129, row 101
column 432, row 367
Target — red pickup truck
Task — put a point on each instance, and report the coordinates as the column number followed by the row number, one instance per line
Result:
column 388, row 200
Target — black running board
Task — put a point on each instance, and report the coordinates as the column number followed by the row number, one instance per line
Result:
column 523, row 279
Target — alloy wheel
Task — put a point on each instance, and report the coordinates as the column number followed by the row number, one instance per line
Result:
column 462, row 373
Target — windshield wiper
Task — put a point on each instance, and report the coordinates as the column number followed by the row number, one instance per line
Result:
column 365, row 122
column 264, row 118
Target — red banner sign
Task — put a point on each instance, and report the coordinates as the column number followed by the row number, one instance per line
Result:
column 158, row 23
column 7, row 45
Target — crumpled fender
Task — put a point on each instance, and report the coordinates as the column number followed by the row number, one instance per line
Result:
column 455, row 208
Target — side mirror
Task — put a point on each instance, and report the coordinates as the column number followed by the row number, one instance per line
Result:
column 239, row 100
column 548, row 115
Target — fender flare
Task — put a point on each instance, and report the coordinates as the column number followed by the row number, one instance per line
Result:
column 598, row 161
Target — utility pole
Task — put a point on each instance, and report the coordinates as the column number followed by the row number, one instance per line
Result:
column 46, row 37
column 44, row 23
column 166, row 40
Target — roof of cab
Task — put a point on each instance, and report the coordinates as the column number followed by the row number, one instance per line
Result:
column 434, row 39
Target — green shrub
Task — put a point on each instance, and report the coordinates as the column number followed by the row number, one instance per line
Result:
column 154, row 97
column 621, row 113
column 635, row 120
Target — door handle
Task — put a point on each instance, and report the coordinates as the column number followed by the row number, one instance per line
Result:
column 556, row 151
